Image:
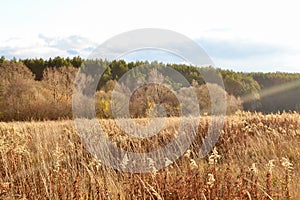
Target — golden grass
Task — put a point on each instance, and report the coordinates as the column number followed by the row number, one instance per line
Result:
column 47, row 160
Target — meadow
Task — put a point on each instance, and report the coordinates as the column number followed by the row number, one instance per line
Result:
column 256, row 157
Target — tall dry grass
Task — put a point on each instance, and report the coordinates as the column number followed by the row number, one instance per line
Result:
column 256, row 157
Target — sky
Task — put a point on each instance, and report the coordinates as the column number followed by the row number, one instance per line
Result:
column 239, row 35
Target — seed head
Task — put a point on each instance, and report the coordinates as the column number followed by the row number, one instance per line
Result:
column 214, row 157
column 211, row 180
column 193, row 164
column 271, row 165
column 253, row 168
column 285, row 162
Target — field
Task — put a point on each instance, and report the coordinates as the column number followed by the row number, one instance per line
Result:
column 256, row 157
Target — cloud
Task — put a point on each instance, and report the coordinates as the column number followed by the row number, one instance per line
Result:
column 67, row 43
column 45, row 47
column 30, row 52
column 244, row 55
column 228, row 53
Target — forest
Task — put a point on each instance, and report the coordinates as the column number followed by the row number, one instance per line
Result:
column 39, row 89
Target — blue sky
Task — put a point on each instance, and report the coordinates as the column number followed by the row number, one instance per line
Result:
column 238, row 35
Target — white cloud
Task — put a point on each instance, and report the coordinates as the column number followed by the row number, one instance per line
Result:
column 45, row 47
column 236, row 54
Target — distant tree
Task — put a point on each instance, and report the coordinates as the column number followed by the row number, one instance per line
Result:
column 153, row 97
column 58, row 87
column 36, row 66
column 242, row 85
column 14, row 60
column 204, row 99
column 11, row 70
column 118, row 68
column 1, row 98
column 17, row 90
column 58, row 62
column 76, row 61
column 103, row 104
column 60, row 82
column 2, row 59
column 109, row 86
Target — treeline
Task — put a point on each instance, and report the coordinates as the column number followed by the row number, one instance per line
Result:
column 262, row 92
column 50, row 83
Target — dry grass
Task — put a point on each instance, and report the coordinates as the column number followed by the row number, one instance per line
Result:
column 257, row 157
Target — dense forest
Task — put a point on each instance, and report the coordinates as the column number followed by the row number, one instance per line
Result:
column 42, row 89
